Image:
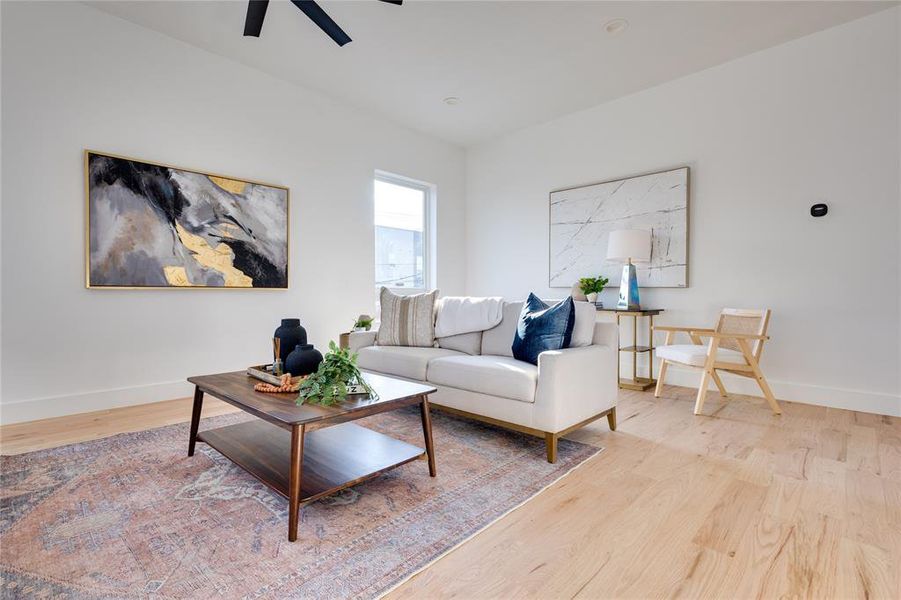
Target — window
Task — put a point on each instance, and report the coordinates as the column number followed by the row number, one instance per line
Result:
column 402, row 236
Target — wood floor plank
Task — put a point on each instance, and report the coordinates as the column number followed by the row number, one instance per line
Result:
column 863, row 450
column 866, row 515
column 890, row 461
column 812, row 556
column 724, row 526
column 783, row 498
column 754, row 571
column 666, row 517
column 866, row 571
column 757, row 467
column 892, row 491
column 832, row 444
column 60, row 431
column 889, row 432
column 704, row 575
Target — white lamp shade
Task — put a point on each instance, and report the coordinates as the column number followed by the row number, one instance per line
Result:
column 629, row 244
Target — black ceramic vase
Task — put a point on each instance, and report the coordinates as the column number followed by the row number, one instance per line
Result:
column 291, row 335
column 303, row 360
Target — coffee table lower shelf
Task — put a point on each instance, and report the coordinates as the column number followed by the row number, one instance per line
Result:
column 334, row 457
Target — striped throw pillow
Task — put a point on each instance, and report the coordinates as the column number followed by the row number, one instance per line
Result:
column 407, row 320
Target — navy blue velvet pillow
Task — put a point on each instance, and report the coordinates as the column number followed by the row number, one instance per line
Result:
column 542, row 327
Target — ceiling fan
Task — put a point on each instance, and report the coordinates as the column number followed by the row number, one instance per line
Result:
column 256, row 12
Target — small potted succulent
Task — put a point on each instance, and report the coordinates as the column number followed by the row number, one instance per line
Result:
column 592, row 286
column 363, row 323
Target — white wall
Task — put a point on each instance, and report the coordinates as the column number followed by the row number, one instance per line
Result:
column 766, row 136
column 75, row 78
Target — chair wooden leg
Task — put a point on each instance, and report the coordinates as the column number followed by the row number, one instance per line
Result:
column 719, row 384
column 611, row 419
column 765, row 388
column 659, row 388
column 702, row 392
column 758, row 375
column 550, row 440
column 705, row 378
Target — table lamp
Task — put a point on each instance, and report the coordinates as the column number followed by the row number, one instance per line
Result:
column 629, row 245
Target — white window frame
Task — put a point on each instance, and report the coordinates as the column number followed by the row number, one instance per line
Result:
column 429, row 195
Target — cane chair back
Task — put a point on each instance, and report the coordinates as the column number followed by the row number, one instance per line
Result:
column 746, row 321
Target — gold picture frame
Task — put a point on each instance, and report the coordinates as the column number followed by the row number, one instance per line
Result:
column 224, row 243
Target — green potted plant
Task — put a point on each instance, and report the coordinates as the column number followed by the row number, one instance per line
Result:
column 363, row 323
column 336, row 377
column 592, row 286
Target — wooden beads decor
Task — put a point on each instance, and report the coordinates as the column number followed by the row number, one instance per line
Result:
column 288, row 385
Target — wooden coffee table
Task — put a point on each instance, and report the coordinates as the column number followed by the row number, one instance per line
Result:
column 309, row 451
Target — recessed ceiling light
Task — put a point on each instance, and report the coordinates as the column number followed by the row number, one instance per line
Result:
column 615, row 26
column 452, row 101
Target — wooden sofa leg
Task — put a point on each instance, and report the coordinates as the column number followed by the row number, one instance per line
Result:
column 550, row 440
column 611, row 419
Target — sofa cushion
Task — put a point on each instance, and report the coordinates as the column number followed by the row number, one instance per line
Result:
column 583, row 331
column 499, row 340
column 543, row 327
column 494, row 375
column 407, row 320
column 402, row 361
column 692, row 354
column 469, row 343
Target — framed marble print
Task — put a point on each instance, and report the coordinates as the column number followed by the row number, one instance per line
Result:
column 151, row 225
column 581, row 219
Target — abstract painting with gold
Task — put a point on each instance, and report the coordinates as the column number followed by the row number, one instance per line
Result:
column 155, row 226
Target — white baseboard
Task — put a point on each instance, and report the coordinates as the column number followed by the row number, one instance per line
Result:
column 871, row 402
column 33, row 409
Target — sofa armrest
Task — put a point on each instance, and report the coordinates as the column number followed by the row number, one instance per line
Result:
column 575, row 384
column 360, row 339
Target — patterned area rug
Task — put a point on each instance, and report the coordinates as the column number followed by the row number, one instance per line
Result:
column 133, row 516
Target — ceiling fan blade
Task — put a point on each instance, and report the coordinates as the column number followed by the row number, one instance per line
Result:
column 325, row 22
column 397, row 2
column 256, row 12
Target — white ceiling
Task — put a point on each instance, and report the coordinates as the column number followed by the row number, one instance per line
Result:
column 512, row 64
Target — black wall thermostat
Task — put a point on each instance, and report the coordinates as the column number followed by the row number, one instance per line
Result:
column 818, row 210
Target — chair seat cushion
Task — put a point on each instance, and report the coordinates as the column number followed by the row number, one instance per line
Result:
column 692, row 354
column 493, row 375
column 402, row 361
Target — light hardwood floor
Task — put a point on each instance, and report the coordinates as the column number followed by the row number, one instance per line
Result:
column 50, row 433
column 736, row 504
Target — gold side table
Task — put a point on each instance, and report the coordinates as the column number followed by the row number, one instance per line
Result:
column 637, row 383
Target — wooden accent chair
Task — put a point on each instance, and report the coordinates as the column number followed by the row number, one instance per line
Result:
column 735, row 347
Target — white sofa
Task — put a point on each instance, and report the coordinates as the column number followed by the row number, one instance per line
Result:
column 476, row 375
